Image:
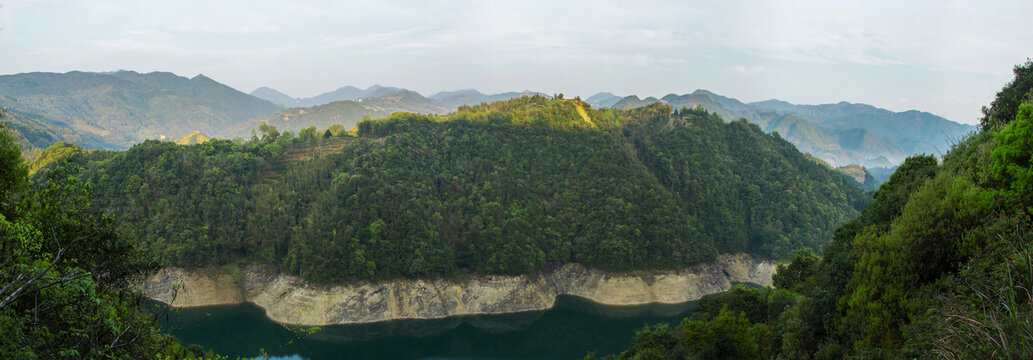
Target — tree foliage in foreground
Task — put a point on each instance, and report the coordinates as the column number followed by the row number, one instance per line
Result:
column 940, row 265
column 501, row 188
column 66, row 276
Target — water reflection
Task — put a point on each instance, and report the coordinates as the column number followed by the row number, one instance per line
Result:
column 569, row 330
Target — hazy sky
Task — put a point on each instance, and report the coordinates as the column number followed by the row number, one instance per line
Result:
column 944, row 57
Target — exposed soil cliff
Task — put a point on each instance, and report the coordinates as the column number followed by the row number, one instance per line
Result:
column 288, row 299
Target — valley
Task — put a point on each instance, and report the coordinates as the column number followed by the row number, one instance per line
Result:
column 839, row 134
column 363, row 213
column 501, row 180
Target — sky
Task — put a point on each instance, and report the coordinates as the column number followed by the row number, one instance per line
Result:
column 945, row 57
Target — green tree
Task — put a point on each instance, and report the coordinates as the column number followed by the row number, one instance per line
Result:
column 14, row 178
column 1005, row 105
column 1013, row 157
column 726, row 336
column 794, row 275
column 66, row 276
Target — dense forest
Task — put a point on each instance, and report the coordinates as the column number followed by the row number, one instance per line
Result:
column 67, row 276
column 939, row 265
column 501, row 188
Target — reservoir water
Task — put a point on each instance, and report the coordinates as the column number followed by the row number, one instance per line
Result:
column 569, row 330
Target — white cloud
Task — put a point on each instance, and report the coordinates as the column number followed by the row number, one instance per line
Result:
column 744, row 47
column 750, row 70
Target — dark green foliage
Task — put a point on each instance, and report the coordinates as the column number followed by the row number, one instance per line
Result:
column 793, row 276
column 501, row 188
column 761, row 305
column 725, row 336
column 1005, row 106
column 744, row 323
column 66, row 275
column 495, row 197
column 749, row 190
column 656, row 343
column 184, row 199
column 939, row 265
column 988, row 315
column 15, row 174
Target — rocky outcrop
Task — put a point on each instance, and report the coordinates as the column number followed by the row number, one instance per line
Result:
column 854, row 171
column 288, row 299
column 185, row 288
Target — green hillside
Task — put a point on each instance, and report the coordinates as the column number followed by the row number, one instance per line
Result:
column 840, row 134
column 940, row 265
column 68, row 280
column 115, row 110
column 54, row 154
column 35, row 131
column 501, row 188
column 345, row 113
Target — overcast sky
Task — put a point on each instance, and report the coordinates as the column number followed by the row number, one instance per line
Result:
column 944, row 57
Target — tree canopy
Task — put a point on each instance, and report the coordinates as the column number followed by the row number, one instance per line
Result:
column 939, row 265
column 66, row 275
column 500, row 188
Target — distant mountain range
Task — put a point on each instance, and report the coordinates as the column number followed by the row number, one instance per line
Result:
column 455, row 99
column 380, row 102
column 115, row 110
column 603, row 99
column 450, row 100
column 840, row 134
column 347, row 93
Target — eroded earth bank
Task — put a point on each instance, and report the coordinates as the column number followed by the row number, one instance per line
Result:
column 288, row 299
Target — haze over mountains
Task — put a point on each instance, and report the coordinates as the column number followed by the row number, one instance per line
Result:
column 344, row 93
column 840, row 134
column 117, row 109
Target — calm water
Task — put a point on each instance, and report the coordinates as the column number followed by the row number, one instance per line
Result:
column 568, row 331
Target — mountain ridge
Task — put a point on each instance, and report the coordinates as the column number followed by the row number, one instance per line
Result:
column 842, row 133
column 125, row 107
column 113, row 110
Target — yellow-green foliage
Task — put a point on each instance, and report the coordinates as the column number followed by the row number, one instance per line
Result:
column 58, row 152
column 558, row 113
column 193, row 138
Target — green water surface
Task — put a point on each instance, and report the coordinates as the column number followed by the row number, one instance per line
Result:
column 571, row 329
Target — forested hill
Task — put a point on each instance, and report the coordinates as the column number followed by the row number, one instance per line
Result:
column 939, row 265
column 502, row 188
column 840, row 134
column 347, row 113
